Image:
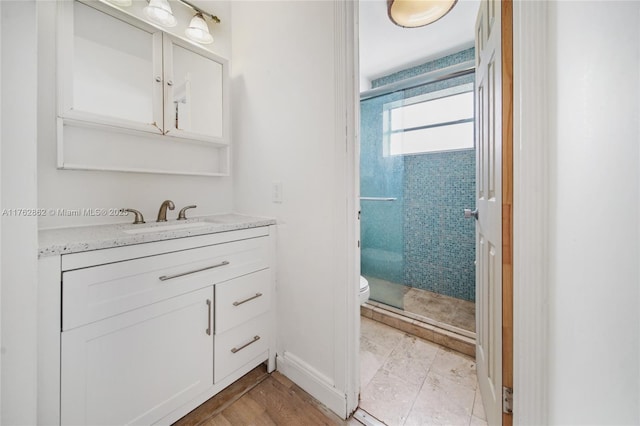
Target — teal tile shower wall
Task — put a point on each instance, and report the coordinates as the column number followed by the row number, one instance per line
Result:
column 421, row 239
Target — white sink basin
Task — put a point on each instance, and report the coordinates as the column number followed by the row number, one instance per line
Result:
column 163, row 228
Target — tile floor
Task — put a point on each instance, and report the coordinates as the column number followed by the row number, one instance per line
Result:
column 409, row 381
column 449, row 310
column 420, row 303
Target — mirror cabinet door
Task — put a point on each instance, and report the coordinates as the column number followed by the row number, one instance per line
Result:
column 116, row 71
column 194, row 93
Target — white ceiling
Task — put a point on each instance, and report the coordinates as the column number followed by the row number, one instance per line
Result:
column 386, row 48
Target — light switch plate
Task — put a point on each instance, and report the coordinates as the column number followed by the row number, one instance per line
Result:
column 276, row 192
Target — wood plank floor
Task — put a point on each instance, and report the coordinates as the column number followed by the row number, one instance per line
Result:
column 262, row 399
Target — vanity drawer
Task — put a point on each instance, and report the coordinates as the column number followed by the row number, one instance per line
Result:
column 99, row 292
column 241, row 299
column 236, row 347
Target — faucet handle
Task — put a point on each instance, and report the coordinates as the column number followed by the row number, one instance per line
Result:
column 182, row 214
column 138, row 216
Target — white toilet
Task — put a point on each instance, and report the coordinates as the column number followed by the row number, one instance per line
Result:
column 364, row 290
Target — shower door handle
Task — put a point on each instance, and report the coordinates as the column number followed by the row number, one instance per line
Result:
column 468, row 213
column 377, row 199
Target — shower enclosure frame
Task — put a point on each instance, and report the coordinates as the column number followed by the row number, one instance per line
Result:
column 457, row 70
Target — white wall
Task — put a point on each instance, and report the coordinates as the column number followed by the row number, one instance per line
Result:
column 19, row 232
column 72, row 189
column 288, row 128
column 594, row 324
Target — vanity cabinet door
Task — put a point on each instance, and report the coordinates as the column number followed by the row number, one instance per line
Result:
column 110, row 70
column 136, row 367
column 194, row 98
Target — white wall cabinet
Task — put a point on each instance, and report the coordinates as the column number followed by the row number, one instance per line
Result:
column 108, row 69
column 151, row 331
column 121, row 76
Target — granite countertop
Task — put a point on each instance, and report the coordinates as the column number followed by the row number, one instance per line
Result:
column 85, row 238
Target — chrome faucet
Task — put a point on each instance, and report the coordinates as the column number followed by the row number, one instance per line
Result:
column 162, row 213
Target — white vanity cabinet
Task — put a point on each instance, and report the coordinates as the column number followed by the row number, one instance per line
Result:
column 150, row 331
column 241, row 321
column 124, row 79
column 137, row 367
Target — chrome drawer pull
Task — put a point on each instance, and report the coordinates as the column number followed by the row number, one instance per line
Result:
column 208, row 330
column 247, row 300
column 169, row 277
column 255, row 339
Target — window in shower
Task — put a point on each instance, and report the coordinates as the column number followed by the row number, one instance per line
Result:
column 432, row 122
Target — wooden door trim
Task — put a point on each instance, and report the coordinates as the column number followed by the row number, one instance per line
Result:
column 507, row 198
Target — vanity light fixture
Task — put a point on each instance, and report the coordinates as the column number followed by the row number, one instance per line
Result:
column 159, row 12
column 121, row 3
column 417, row 13
column 198, row 30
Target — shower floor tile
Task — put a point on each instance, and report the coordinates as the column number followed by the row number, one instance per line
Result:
column 411, row 381
column 423, row 303
column 449, row 310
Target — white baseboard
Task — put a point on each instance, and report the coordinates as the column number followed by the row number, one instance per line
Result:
column 312, row 381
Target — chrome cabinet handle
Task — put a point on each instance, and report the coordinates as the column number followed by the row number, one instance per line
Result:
column 255, row 339
column 208, row 330
column 247, row 300
column 169, row 277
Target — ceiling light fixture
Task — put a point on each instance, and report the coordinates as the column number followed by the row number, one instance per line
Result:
column 417, row 13
column 159, row 12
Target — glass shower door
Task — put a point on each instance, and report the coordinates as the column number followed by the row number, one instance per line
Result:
column 381, row 205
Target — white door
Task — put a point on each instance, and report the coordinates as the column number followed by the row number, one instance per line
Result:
column 137, row 367
column 489, row 207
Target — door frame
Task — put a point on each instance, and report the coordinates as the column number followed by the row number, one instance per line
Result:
column 525, row 177
column 506, row 37
column 530, row 219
